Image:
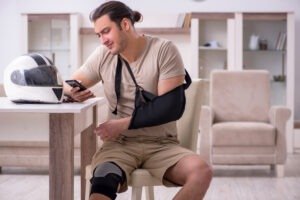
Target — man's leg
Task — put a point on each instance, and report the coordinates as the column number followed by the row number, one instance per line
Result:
column 194, row 174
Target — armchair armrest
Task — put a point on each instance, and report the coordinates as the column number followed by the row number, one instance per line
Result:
column 279, row 116
column 206, row 121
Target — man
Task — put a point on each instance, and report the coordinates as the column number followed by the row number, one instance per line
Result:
column 157, row 67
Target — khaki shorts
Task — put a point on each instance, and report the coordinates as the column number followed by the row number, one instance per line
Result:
column 154, row 154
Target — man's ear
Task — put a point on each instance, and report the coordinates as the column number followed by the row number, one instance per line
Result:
column 125, row 24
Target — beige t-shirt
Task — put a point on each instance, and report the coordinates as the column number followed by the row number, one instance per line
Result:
column 159, row 60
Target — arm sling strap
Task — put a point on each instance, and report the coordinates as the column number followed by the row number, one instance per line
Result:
column 150, row 109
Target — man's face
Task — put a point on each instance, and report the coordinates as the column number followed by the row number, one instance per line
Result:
column 110, row 34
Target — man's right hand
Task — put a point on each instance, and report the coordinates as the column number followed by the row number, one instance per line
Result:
column 80, row 96
column 74, row 93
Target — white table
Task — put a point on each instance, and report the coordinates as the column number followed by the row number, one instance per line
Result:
column 65, row 120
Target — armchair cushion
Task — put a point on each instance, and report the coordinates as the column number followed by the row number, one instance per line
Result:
column 243, row 134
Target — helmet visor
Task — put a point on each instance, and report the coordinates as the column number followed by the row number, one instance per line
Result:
column 45, row 75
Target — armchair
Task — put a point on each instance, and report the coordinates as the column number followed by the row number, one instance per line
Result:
column 240, row 127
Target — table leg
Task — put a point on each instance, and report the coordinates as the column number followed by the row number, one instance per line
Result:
column 61, row 158
column 88, row 148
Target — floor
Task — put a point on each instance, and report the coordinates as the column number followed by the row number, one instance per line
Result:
column 229, row 183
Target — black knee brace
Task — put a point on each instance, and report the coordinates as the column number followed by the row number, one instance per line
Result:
column 106, row 179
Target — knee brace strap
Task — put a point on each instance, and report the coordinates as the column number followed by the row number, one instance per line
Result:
column 106, row 179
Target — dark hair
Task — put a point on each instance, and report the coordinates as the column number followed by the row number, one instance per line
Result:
column 116, row 11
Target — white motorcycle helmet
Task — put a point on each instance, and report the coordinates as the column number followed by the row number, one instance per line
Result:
column 32, row 78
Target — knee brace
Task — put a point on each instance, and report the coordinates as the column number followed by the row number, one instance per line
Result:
column 106, row 179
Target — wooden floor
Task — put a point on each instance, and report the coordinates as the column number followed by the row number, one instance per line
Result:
column 229, row 183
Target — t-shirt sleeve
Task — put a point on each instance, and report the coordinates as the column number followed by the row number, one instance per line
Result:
column 170, row 61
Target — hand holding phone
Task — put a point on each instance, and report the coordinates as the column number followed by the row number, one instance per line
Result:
column 75, row 83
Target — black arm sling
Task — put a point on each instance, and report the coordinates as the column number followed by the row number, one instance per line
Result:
column 150, row 109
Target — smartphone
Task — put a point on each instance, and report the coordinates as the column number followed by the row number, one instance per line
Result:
column 75, row 83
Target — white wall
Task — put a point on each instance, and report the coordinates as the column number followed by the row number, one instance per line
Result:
column 10, row 23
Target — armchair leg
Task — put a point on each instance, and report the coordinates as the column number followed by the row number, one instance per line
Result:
column 149, row 192
column 280, row 171
column 136, row 193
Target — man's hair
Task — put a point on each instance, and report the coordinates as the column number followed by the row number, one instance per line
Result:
column 116, row 11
